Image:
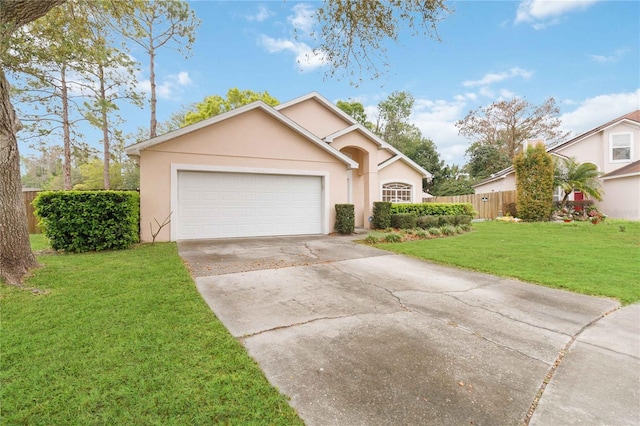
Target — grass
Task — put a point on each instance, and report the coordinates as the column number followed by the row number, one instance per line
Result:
column 123, row 337
column 602, row 260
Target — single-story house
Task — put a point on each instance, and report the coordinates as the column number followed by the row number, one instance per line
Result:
column 614, row 148
column 260, row 171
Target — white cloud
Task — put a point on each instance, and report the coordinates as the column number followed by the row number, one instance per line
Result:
column 491, row 78
column 302, row 19
column 596, row 111
column 261, row 15
column 613, row 57
column 169, row 87
column 542, row 13
column 306, row 58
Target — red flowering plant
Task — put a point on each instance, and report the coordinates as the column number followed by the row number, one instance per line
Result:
column 595, row 216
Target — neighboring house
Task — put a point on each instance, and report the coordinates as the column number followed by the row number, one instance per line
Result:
column 615, row 148
column 260, row 170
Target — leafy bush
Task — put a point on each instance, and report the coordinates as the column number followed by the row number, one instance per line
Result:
column 345, row 218
column 403, row 221
column 444, row 220
column 434, row 231
column 461, row 219
column 371, row 239
column 459, row 230
column 509, row 209
column 448, row 230
column 79, row 221
column 420, row 233
column 534, row 182
column 466, row 227
column 393, row 238
column 381, row 215
column 426, row 222
column 434, row 209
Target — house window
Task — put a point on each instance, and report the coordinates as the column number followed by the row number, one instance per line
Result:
column 620, row 146
column 396, row 192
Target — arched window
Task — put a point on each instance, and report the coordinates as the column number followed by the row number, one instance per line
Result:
column 396, row 192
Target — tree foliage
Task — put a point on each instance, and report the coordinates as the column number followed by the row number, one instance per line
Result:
column 485, row 160
column 505, row 125
column 216, row 104
column 353, row 34
column 356, row 110
column 534, row 183
column 573, row 176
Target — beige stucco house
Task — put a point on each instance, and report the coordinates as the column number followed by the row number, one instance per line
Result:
column 260, row 170
column 614, row 148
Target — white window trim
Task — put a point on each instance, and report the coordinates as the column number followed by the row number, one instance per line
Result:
column 410, row 188
column 611, row 135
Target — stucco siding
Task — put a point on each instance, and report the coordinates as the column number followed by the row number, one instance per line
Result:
column 315, row 117
column 400, row 172
column 621, row 198
column 236, row 144
column 507, row 183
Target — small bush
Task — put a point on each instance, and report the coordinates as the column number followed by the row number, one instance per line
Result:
column 393, row 238
column 381, row 215
column 345, row 218
column 426, row 222
column 371, row 239
column 403, row 221
column 434, row 231
column 444, row 220
column 509, row 209
column 466, row 227
column 448, row 230
column 434, row 209
column 459, row 230
column 80, row 221
column 461, row 219
column 422, row 234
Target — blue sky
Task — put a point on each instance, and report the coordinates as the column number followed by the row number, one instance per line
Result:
column 584, row 53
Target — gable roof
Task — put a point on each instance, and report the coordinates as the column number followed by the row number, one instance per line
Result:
column 357, row 127
column 134, row 150
column 632, row 118
column 631, row 169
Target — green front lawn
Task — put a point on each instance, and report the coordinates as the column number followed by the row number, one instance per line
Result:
column 123, row 337
column 601, row 259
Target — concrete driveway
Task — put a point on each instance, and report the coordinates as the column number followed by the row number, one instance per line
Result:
column 359, row 336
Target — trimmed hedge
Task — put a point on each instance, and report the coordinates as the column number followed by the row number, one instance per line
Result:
column 381, row 215
column 431, row 221
column 403, row 220
column 433, row 209
column 79, row 221
column 345, row 218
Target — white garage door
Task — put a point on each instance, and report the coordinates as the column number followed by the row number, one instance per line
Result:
column 222, row 205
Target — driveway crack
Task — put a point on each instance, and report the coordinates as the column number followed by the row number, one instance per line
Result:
column 549, row 376
column 284, row 327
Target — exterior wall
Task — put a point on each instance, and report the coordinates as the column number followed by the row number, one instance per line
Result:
column 595, row 148
column 315, row 117
column 506, row 183
column 399, row 171
column 265, row 144
column 622, row 198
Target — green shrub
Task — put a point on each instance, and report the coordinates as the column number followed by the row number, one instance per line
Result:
column 79, row 221
column 534, row 182
column 371, row 239
column 345, row 218
column 422, row 234
column 434, row 209
column 459, row 230
column 403, row 220
column 426, row 222
column 381, row 215
column 466, row 227
column 393, row 238
column 459, row 219
column 448, row 230
column 509, row 209
column 434, row 231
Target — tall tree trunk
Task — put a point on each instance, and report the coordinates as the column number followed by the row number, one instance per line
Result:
column 152, row 79
column 105, row 129
column 16, row 257
column 64, row 94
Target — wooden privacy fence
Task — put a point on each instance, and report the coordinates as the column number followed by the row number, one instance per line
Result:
column 489, row 205
column 32, row 222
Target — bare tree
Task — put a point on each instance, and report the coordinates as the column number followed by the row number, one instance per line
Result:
column 16, row 257
column 507, row 124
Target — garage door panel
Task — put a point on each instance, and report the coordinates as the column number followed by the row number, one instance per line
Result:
column 219, row 205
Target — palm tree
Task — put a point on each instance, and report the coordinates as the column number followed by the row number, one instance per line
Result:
column 573, row 176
